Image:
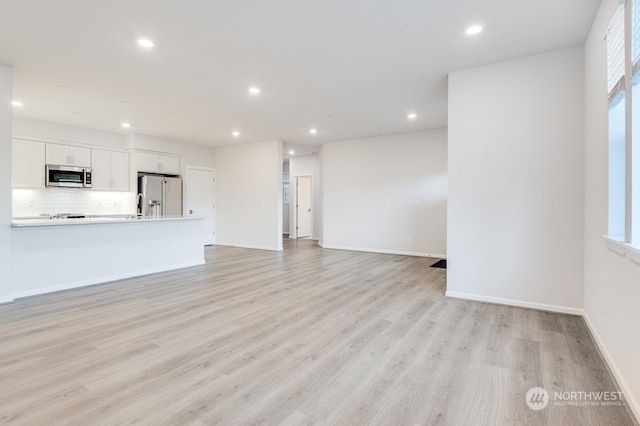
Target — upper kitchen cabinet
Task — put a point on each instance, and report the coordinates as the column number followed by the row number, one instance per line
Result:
column 67, row 155
column 110, row 171
column 158, row 163
column 28, row 164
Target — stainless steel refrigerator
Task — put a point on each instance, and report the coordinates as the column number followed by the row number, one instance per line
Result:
column 162, row 195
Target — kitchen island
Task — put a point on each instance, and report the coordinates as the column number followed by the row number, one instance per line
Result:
column 51, row 255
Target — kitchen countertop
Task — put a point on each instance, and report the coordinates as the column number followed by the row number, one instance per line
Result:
column 39, row 221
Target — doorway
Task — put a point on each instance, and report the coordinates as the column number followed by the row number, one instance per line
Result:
column 304, row 214
column 200, row 200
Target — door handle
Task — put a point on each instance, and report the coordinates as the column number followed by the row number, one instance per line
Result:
column 190, row 211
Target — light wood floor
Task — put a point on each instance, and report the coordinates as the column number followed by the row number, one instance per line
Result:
column 307, row 336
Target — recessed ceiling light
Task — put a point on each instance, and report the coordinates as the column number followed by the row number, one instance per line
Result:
column 473, row 30
column 126, row 125
column 254, row 90
column 236, row 134
column 145, row 42
column 313, row 131
column 292, row 152
column 412, row 116
column 17, row 103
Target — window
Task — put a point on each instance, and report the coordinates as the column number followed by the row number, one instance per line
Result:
column 634, row 148
column 617, row 193
column 617, row 126
column 623, row 75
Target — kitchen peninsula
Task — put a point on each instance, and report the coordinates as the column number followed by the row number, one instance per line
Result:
column 57, row 254
column 99, row 239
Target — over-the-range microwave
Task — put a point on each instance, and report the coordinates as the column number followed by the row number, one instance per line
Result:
column 67, row 176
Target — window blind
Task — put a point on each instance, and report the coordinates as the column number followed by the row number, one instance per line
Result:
column 615, row 56
column 635, row 35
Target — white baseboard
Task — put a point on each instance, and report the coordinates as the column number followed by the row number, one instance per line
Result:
column 624, row 387
column 368, row 250
column 95, row 281
column 248, row 246
column 518, row 303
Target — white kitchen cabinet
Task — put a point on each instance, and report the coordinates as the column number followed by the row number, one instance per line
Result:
column 28, row 164
column 158, row 163
column 68, row 155
column 120, row 171
column 110, row 170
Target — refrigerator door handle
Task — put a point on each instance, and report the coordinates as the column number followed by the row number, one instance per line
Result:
column 163, row 206
column 144, row 207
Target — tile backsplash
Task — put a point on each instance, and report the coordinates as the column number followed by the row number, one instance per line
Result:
column 35, row 202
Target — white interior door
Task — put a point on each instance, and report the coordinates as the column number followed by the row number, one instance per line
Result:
column 303, row 206
column 201, row 199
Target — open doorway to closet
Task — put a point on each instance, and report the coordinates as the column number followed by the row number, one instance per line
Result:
column 304, row 206
column 286, row 186
column 303, row 192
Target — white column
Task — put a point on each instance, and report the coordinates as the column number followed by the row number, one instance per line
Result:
column 6, row 115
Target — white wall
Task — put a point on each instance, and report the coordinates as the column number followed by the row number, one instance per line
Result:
column 305, row 166
column 516, row 181
column 612, row 284
column 249, row 195
column 386, row 194
column 54, row 131
column 6, row 93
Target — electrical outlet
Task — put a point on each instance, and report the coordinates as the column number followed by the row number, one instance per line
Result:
column 409, row 239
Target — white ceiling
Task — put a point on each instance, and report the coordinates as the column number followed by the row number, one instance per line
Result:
column 351, row 68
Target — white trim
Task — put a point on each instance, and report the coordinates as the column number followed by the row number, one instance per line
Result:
column 629, row 397
column 632, row 253
column 208, row 169
column 96, row 281
column 6, row 299
column 248, row 246
column 621, row 248
column 518, row 303
column 614, row 244
column 383, row 251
